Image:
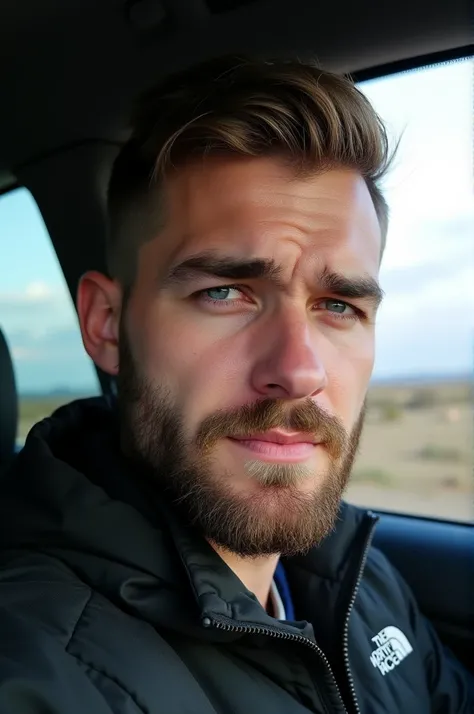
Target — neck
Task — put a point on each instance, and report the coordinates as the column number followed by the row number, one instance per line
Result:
column 255, row 573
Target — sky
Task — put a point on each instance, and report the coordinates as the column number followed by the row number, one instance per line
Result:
column 426, row 323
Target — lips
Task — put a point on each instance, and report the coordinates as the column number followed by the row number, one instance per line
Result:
column 277, row 446
column 276, row 436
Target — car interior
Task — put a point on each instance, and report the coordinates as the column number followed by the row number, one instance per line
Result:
column 70, row 74
column 8, row 405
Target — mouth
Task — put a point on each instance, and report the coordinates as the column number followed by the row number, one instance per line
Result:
column 278, row 446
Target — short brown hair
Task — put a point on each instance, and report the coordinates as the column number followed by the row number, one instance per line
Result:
column 244, row 107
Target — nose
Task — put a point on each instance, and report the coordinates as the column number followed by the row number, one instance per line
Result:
column 289, row 365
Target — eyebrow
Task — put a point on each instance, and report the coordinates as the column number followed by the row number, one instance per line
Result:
column 208, row 263
column 359, row 288
column 228, row 267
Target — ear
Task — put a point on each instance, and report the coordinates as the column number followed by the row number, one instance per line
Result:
column 99, row 301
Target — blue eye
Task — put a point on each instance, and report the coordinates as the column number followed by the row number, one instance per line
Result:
column 218, row 293
column 225, row 294
column 340, row 310
column 337, row 306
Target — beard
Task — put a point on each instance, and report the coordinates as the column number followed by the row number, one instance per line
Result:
column 277, row 517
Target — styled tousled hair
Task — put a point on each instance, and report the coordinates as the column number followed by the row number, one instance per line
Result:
column 233, row 106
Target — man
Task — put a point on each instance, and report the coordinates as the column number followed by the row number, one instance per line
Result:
column 186, row 550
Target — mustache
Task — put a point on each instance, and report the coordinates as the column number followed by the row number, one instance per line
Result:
column 307, row 417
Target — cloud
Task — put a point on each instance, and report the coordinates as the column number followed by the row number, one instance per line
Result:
column 35, row 292
column 420, row 241
column 50, row 361
column 37, row 309
column 58, row 344
column 428, row 326
column 43, row 334
column 38, row 291
column 429, row 288
column 25, row 354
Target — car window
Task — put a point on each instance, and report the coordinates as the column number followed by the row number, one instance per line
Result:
column 417, row 449
column 37, row 315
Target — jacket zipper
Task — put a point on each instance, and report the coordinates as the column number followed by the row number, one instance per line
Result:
column 349, row 610
column 222, row 623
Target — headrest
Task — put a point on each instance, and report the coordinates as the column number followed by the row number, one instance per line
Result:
column 8, row 404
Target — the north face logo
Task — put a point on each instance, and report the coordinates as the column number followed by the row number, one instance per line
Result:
column 392, row 647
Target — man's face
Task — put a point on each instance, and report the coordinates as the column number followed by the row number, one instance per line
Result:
column 246, row 349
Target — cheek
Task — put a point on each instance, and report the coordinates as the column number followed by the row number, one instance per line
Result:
column 349, row 371
column 203, row 374
column 202, row 366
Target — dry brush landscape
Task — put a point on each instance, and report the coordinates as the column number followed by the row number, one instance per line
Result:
column 416, row 452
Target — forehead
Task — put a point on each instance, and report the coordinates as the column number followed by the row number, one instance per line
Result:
column 258, row 207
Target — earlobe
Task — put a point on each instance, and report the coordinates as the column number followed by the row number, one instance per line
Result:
column 98, row 305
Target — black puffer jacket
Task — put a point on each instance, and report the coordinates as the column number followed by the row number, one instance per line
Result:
column 109, row 605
